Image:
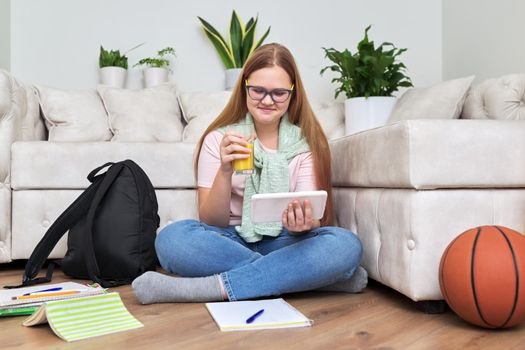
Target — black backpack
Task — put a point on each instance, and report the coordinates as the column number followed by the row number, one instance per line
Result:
column 112, row 230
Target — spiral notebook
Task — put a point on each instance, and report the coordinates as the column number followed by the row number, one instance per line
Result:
column 8, row 298
column 235, row 315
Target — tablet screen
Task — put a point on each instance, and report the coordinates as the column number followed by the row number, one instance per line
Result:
column 269, row 207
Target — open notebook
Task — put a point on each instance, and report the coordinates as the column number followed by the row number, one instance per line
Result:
column 81, row 318
column 8, row 298
column 233, row 315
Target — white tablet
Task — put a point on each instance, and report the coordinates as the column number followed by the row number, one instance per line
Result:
column 269, row 207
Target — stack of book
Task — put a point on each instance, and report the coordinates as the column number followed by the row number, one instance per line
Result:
column 74, row 311
column 24, row 301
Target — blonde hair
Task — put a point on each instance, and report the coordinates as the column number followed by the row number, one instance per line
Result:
column 299, row 113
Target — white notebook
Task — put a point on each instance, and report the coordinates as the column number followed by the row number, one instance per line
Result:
column 233, row 315
column 7, row 301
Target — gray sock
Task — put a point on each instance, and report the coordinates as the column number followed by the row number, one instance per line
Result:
column 153, row 287
column 354, row 284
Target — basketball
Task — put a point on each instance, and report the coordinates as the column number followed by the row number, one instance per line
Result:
column 481, row 276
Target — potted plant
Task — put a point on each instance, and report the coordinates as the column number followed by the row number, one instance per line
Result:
column 113, row 68
column 157, row 68
column 241, row 43
column 368, row 78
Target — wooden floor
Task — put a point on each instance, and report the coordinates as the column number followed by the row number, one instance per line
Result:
column 379, row 318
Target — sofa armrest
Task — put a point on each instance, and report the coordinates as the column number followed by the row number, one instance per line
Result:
column 19, row 119
column 432, row 153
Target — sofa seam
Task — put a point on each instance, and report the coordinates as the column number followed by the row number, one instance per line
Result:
column 409, row 159
column 411, row 236
column 381, row 192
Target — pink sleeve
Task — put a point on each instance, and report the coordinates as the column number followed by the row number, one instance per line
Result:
column 209, row 159
column 303, row 176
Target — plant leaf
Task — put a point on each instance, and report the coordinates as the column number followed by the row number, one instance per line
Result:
column 248, row 42
column 250, row 22
column 213, row 31
column 222, row 50
column 236, row 35
column 259, row 43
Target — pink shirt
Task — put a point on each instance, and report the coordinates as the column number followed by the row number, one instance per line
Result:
column 300, row 170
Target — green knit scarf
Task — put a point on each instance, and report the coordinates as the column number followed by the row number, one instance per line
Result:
column 270, row 175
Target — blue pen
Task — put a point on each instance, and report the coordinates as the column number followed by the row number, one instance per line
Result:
column 44, row 290
column 254, row 316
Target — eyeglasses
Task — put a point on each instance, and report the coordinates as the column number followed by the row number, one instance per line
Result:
column 258, row 93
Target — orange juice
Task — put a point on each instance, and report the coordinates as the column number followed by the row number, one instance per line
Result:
column 244, row 166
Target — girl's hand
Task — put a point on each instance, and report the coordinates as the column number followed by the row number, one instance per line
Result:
column 297, row 219
column 232, row 147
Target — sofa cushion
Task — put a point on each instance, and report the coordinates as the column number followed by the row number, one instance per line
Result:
column 35, row 211
column 53, row 165
column 73, row 115
column 441, row 101
column 502, row 98
column 19, row 120
column 331, row 116
column 429, row 154
column 199, row 110
column 146, row 115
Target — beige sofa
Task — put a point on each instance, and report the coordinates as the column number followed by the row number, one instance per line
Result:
column 46, row 155
column 407, row 188
column 410, row 187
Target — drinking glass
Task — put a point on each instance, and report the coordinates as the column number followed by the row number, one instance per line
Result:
column 244, row 166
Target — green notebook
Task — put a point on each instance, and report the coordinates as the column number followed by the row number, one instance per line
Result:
column 85, row 317
column 20, row 311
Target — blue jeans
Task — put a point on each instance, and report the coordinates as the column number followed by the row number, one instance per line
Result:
column 272, row 266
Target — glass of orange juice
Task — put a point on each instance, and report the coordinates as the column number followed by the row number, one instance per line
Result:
column 244, row 166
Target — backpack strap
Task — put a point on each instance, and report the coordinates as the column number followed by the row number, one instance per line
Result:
column 64, row 222
column 90, row 258
column 93, row 174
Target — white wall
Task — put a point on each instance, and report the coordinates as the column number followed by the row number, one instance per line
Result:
column 56, row 42
column 483, row 37
column 5, row 34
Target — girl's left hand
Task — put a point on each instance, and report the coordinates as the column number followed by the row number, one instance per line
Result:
column 296, row 219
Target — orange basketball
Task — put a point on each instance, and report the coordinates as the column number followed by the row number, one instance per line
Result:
column 482, row 277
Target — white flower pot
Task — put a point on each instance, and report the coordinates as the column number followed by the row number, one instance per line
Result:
column 366, row 113
column 155, row 76
column 113, row 76
column 231, row 77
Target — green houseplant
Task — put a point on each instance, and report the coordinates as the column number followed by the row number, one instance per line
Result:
column 368, row 78
column 160, row 61
column 113, row 67
column 157, row 68
column 241, row 43
column 370, row 71
column 112, row 58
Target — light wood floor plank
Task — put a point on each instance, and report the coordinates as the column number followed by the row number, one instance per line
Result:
column 379, row 318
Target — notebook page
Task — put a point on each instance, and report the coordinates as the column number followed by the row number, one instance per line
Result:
column 7, row 295
column 277, row 313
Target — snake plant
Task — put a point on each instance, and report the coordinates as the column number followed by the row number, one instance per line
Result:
column 241, row 40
